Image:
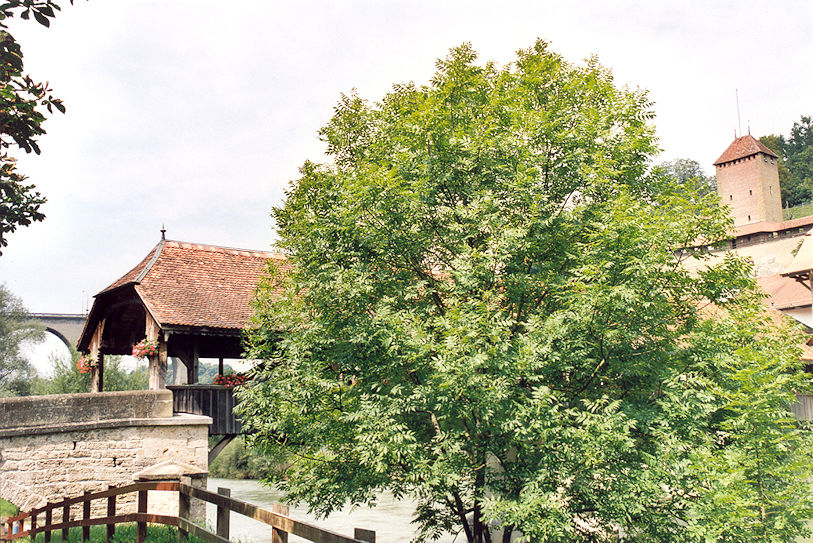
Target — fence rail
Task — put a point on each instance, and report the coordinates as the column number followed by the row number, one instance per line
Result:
column 279, row 521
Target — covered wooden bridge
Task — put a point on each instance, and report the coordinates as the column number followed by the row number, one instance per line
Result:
column 191, row 301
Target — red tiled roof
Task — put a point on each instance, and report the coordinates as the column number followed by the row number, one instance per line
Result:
column 743, row 147
column 753, row 228
column 186, row 284
column 784, row 292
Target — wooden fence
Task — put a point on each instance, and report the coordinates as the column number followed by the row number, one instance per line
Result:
column 40, row 518
column 214, row 401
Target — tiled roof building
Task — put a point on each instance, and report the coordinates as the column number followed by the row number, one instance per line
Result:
column 193, row 300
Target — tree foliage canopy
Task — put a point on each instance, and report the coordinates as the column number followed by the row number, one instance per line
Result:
column 795, row 161
column 22, row 105
column 16, row 328
column 484, row 307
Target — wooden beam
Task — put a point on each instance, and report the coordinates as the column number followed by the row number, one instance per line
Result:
column 97, row 375
column 217, row 449
column 192, row 364
column 223, row 515
column 158, row 363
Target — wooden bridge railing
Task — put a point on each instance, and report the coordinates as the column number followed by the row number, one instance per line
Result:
column 281, row 524
column 214, row 401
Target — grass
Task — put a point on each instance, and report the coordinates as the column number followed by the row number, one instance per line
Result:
column 804, row 210
column 125, row 533
column 7, row 509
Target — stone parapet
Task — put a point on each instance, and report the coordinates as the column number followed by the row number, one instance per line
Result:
column 61, row 410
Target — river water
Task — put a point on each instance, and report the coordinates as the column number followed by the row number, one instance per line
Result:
column 390, row 519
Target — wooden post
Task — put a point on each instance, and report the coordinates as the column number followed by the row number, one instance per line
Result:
column 141, row 531
column 86, row 516
column 220, row 365
column 66, row 517
column 48, row 518
column 184, row 507
column 96, row 378
column 364, row 535
column 223, row 515
column 33, row 524
column 192, row 364
column 277, row 535
column 158, row 363
column 111, row 512
column 97, row 375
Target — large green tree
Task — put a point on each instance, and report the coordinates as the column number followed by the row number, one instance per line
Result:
column 795, row 162
column 16, row 329
column 23, row 102
column 484, row 307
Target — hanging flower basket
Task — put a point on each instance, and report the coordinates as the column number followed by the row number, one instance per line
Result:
column 145, row 348
column 232, row 380
column 85, row 363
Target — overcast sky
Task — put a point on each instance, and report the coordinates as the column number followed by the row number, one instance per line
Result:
column 197, row 114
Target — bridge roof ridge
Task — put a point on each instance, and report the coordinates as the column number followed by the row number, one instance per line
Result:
column 189, row 286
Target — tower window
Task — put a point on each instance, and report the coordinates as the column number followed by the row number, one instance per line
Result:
column 770, row 189
column 750, row 193
column 730, row 197
column 749, row 217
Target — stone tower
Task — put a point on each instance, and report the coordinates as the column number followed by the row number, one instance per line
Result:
column 748, row 182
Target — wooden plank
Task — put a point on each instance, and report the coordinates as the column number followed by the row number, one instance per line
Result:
column 287, row 524
column 114, row 491
column 200, row 532
column 110, row 530
column 223, row 514
column 48, row 519
column 118, row 519
column 66, row 518
column 364, row 535
column 20, row 516
column 86, row 517
column 33, row 527
column 141, row 528
column 184, row 505
column 277, row 535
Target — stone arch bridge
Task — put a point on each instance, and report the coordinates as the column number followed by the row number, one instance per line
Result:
column 66, row 326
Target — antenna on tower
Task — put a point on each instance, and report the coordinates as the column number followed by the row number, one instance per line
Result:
column 739, row 122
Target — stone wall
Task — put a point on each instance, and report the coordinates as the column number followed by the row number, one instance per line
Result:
column 52, row 447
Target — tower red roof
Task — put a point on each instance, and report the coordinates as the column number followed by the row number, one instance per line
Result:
column 742, row 147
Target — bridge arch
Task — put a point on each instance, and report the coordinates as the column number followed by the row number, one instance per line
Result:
column 67, row 327
column 59, row 335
